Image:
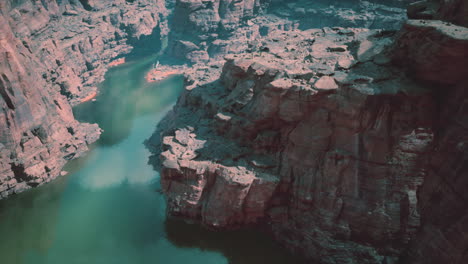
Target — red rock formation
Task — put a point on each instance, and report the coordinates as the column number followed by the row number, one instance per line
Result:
column 443, row 236
column 348, row 158
column 51, row 57
column 117, row 62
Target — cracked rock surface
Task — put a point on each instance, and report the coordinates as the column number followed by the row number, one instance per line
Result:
column 349, row 140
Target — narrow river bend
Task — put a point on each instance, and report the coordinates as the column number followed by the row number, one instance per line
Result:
column 107, row 210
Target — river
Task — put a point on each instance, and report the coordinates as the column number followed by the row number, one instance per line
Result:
column 107, row 209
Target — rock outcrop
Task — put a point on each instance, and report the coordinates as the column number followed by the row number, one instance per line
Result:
column 196, row 24
column 455, row 11
column 52, row 56
column 201, row 30
column 374, row 14
column 348, row 146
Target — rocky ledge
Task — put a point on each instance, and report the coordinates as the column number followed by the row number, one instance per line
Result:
column 329, row 139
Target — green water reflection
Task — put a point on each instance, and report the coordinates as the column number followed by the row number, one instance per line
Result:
column 107, row 210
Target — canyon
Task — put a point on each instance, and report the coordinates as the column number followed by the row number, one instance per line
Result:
column 53, row 55
column 338, row 128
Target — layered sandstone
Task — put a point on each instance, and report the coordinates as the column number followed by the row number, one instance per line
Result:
column 308, row 138
column 52, row 56
column 347, row 145
column 443, row 235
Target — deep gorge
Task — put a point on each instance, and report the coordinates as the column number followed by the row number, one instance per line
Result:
column 336, row 129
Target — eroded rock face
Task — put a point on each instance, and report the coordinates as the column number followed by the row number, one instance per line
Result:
column 342, row 143
column 443, row 236
column 74, row 44
column 238, row 195
column 374, row 14
column 434, row 51
column 204, row 29
column 51, row 57
column 196, row 24
column 350, row 159
column 455, row 11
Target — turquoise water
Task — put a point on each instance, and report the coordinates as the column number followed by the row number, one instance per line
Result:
column 108, row 209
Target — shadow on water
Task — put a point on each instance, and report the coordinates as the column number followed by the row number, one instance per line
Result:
column 244, row 246
column 23, row 224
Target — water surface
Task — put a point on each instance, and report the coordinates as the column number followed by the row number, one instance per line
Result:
column 107, row 210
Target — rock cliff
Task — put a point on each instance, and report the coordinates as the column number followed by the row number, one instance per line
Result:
column 442, row 198
column 53, row 54
column 348, row 145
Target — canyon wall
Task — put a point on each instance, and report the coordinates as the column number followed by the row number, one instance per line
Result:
column 53, row 54
column 347, row 145
column 436, row 53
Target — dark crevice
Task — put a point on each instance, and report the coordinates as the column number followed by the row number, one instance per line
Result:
column 19, row 172
column 40, row 133
column 71, row 131
column 86, row 5
column 57, row 104
column 64, row 90
column 8, row 84
column 89, row 66
column 26, row 45
column 145, row 45
column 5, row 95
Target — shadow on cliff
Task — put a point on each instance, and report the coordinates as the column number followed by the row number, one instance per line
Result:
column 146, row 46
column 245, row 246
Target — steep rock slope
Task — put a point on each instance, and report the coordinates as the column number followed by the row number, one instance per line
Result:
column 318, row 136
column 52, row 56
column 306, row 141
column 443, row 236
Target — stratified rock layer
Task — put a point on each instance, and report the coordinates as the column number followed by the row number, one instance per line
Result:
column 51, row 57
column 443, row 199
column 318, row 136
